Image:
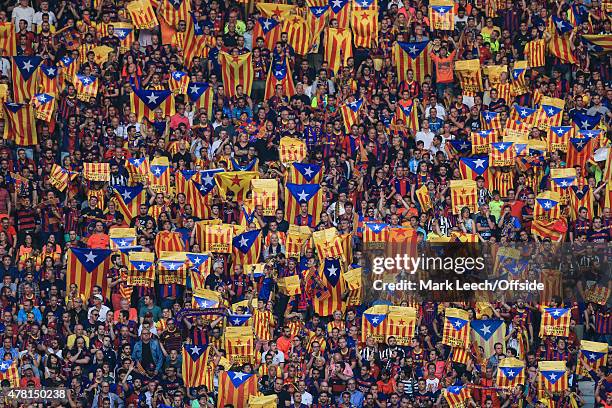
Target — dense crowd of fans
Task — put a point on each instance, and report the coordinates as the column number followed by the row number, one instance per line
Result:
column 110, row 351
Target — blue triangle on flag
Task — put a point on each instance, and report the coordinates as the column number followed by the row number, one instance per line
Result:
column 303, row 193
column 552, row 376
column 308, row 171
column 486, row 328
column 196, row 90
column 238, row 378
column 457, row 323
column 556, row 313
column 238, row 319
column 511, row 372
column 141, row 265
column 27, row 65
column 91, row 258
column 243, row 242
column 197, row 260
column 332, row 270
column 128, row 193
column 194, row 351
column 375, row 319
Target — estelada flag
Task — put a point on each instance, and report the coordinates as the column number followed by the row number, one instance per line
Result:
column 520, row 116
column 464, row 193
column 560, row 182
column 194, row 44
column 374, row 323
column 200, row 265
column 206, row 299
column 8, row 39
column 579, row 150
column 338, row 47
column 298, row 34
column 173, row 11
column 183, row 178
column 407, row 113
column 595, row 354
column 469, row 76
column 326, row 287
column 596, row 43
column 558, row 137
column 125, row 32
column 159, row 175
column 122, row 238
column 10, row 372
column 236, row 70
column 86, row 268
column 199, row 197
column 292, row 150
column 239, row 344
column 316, row 18
column 279, row 75
column 304, row 173
column 86, row 87
column 235, row 182
column 69, row 67
column 235, row 388
column 364, row 24
column 553, row 230
column 96, row 171
column 44, row 105
column 486, row 333
column 240, row 319
column 129, row 199
column 456, row 328
column 24, row 73
column 201, row 95
column 547, row 206
column 555, row 322
column 482, row 139
column 178, row 82
column 277, row 11
column 472, row 167
column 265, row 194
column 138, row 169
column 553, row 376
column 502, row 154
column 142, row 14
column 597, row 294
column 510, row 372
column 298, row 194
column 424, row 199
column 327, row 243
column 144, row 102
column 375, row 235
column 172, row 268
column 517, row 78
column 218, row 238
column 401, row 323
column 341, row 12
column 412, row 56
column 490, row 120
column 581, row 197
column 586, row 122
column 20, row 125
column 297, row 237
column 350, row 114
column 168, row 241
column 269, row 29
column 442, row 15
column 141, row 269
column 59, row 177
column 559, row 44
column 50, row 81
column 194, row 365
column 457, row 396
column 247, row 247
column 551, row 112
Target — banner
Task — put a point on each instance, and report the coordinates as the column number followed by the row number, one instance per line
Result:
column 265, row 194
column 469, row 76
column 141, row 269
column 401, row 323
column 456, row 328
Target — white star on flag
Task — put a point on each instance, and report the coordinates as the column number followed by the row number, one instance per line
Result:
column 239, row 375
column 458, row 323
column 553, row 376
column 126, row 195
column 485, row 329
column 487, row 117
column 208, row 179
column 585, row 123
column 332, row 271
column 479, row 163
column 560, row 25
column 152, row 98
column 194, row 89
column 523, row 112
column 236, row 321
column 580, row 144
column 157, row 171
column 266, row 24
column 556, row 313
column 592, row 356
column 5, row 365
column 123, row 242
column 547, row 204
column 90, row 257
column 195, row 349
column 336, row 4
column 142, row 266
column 303, row 196
column 308, row 171
column 51, row 71
column 564, row 183
column 243, row 242
column 375, row 320
column 412, row 50
column 197, row 260
column 42, row 98
column 27, row 65
column 551, row 112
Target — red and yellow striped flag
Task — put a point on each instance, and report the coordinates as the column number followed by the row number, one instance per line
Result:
column 125, row 32
column 338, row 47
column 457, row 396
column 173, row 11
column 456, row 327
column 553, row 230
column 178, row 82
column 580, row 149
column 559, row 44
column 8, row 39
column 412, row 56
column 422, row 195
column 340, row 10
column 547, row 206
column 277, row 11
column 69, row 67
column 464, row 193
column 235, row 388
column 442, row 15
column 316, row 18
column 481, row 140
column 44, row 106
column 401, row 323
column 20, row 125
column 364, row 24
column 96, row 171
column 168, row 241
column 375, row 235
column 558, row 137
column 269, row 29
column 50, row 81
column 194, row 365
column 86, row 268
column 239, row 344
column 350, row 114
column 279, row 74
column 308, row 196
column 553, row 376
column 580, row 197
column 374, row 323
column 172, row 268
column 298, row 34
column 141, row 269
column 236, row 70
column 144, row 102
column 10, row 372
column 142, row 14
column 265, row 194
column 551, row 112
column 129, row 199
column 86, row 87
column 555, row 322
column 327, row 243
column 235, row 182
column 292, row 150
column 595, row 353
column 247, row 247
column 218, row 238
column 194, row 43
column 59, row 177
column 199, row 268
column 469, row 76
column 535, row 52
column 201, row 95
column 159, row 175
column 517, row 77
column 502, row 154
column 510, row 373
column 24, row 74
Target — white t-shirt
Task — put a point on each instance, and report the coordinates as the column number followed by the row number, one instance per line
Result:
column 23, row 13
column 427, row 138
column 38, row 17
